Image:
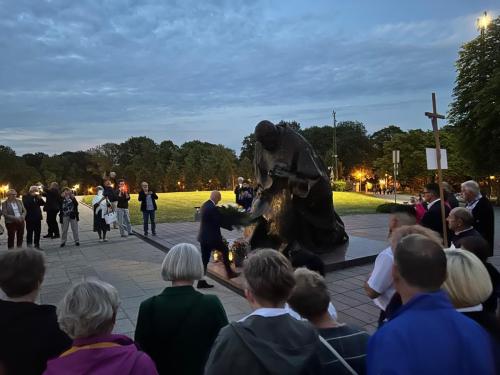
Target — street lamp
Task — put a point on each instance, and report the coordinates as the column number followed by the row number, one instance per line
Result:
column 483, row 22
column 335, row 172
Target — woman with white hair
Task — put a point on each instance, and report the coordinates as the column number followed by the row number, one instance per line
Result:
column 468, row 285
column 87, row 314
column 178, row 327
column 101, row 205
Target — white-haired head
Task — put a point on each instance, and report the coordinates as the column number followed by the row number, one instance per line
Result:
column 88, row 309
column 470, row 190
column 182, row 263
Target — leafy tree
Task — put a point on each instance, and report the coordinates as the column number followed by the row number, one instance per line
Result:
column 353, row 145
column 476, row 106
column 248, row 147
column 381, row 136
column 291, row 124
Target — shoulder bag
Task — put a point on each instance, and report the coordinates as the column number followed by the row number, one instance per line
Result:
column 338, row 356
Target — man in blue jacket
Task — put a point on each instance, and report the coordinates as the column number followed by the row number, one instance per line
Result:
column 427, row 335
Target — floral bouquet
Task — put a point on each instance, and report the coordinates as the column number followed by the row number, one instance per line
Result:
column 239, row 249
column 233, row 216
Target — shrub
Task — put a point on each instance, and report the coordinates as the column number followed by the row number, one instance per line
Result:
column 387, row 208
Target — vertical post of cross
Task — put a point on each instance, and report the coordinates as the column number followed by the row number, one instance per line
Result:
column 434, row 116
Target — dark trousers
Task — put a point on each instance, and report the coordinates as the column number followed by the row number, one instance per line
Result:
column 15, row 230
column 33, row 228
column 52, row 223
column 149, row 216
column 206, row 251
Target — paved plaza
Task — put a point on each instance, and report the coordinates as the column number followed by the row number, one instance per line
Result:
column 133, row 267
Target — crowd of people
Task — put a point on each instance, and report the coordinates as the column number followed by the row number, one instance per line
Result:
column 438, row 307
column 110, row 207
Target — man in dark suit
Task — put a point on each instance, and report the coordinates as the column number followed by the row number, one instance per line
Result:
column 32, row 202
column 460, row 221
column 432, row 218
column 210, row 237
column 482, row 211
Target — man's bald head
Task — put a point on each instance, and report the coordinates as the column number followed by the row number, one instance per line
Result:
column 421, row 262
column 215, row 196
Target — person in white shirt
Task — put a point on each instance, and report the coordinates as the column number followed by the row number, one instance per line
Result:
column 379, row 286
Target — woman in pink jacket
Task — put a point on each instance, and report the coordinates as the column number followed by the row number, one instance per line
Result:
column 87, row 314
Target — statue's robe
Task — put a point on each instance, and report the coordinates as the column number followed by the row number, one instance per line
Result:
column 294, row 196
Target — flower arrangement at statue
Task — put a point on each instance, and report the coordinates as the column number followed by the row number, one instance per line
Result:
column 232, row 216
column 239, row 250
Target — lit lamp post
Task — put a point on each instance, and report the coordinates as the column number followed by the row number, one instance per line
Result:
column 360, row 176
column 483, row 22
column 4, row 189
column 395, row 162
column 334, row 167
column 492, row 178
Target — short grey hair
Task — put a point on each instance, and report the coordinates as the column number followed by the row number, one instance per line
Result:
column 88, row 309
column 471, row 186
column 182, row 262
column 463, row 214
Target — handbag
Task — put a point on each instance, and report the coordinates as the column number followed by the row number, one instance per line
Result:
column 338, row 356
column 110, row 217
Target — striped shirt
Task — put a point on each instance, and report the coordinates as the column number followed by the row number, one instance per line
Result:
column 350, row 343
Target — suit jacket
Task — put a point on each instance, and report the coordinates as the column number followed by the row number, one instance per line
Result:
column 210, row 223
column 432, row 217
column 32, row 205
column 142, row 199
column 457, row 238
column 53, row 202
column 8, row 212
column 484, row 221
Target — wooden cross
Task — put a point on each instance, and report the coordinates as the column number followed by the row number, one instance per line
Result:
column 434, row 116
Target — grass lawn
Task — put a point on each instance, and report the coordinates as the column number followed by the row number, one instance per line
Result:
column 175, row 207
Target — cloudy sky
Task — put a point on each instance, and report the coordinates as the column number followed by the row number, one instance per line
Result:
column 75, row 74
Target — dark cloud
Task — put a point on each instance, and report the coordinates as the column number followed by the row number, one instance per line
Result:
column 75, row 74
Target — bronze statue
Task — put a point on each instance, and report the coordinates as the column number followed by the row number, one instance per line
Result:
column 293, row 206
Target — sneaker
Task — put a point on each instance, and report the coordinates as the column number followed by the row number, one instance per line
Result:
column 100, row 239
column 154, row 234
column 105, row 240
column 77, row 243
column 202, row 284
column 63, row 244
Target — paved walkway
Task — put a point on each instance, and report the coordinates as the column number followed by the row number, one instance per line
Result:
column 133, row 267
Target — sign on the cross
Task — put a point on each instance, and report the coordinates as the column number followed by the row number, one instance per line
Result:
column 431, row 156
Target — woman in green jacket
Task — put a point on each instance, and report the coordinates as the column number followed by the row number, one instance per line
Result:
column 178, row 327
